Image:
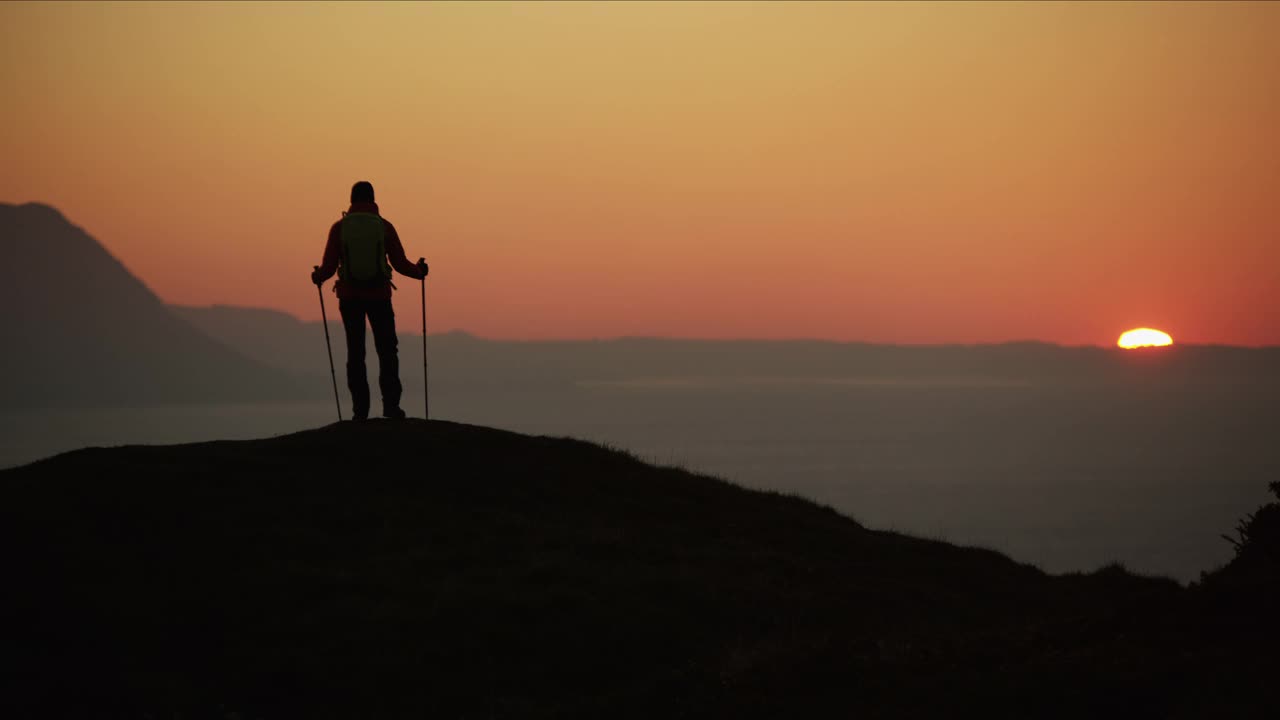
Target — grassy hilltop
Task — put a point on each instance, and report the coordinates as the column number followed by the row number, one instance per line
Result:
column 432, row 569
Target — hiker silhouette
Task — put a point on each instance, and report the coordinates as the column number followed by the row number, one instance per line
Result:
column 358, row 250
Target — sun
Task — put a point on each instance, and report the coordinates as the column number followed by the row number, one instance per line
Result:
column 1144, row 337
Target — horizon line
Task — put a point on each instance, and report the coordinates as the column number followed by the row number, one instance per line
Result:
column 744, row 339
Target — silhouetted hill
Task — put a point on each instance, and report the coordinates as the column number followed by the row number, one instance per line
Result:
column 431, row 569
column 80, row 330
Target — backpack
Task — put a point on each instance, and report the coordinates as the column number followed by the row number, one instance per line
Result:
column 364, row 250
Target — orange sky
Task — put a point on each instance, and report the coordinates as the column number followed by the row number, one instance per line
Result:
column 902, row 172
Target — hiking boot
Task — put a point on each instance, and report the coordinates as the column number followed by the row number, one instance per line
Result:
column 393, row 413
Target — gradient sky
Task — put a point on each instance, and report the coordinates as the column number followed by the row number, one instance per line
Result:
column 909, row 172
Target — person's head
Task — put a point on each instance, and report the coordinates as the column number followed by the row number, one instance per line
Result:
column 362, row 192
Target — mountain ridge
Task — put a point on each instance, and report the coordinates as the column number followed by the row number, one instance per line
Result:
column 272, row 336
column 103, row 337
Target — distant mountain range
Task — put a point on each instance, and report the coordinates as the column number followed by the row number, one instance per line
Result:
column 275, row 338
column 81, row 330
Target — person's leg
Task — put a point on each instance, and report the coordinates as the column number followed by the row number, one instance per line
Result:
column 353, row 312
column 383, row 321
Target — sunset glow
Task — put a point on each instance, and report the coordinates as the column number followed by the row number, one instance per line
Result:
column 1144, row 337
column 887, row 172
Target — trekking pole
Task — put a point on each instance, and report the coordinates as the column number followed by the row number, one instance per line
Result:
column 426, row 408
column 329, row 347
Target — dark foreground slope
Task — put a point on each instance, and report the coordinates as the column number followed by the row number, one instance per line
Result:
column 442, row 570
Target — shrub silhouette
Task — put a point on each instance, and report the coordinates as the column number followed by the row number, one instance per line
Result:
column 1258, row 541
column 1247, row 587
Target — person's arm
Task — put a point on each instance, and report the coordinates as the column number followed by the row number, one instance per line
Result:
column 332, row 251
column 395, row 253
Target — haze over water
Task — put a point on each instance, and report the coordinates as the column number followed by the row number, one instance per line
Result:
column 1069, row 479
